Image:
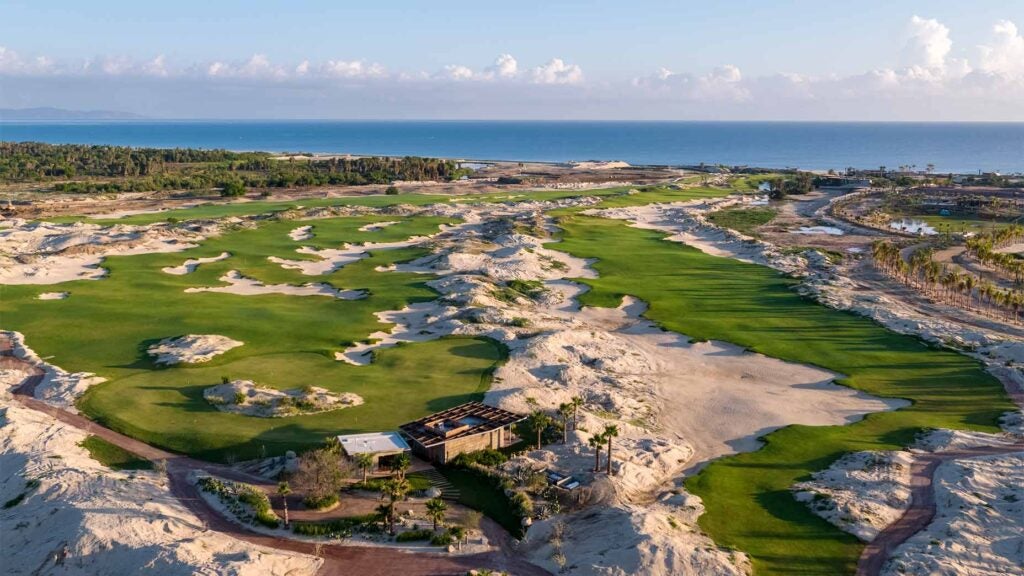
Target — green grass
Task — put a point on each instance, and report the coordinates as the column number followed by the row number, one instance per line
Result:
column 106, row 326
column 956, row 225
column 478, row 492
column 113, row 457
column 743, row 220
column 747, row 497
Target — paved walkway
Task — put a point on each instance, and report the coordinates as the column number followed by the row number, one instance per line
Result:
column 339, row 560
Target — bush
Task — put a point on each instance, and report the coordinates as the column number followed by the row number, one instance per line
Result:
column 260, row 504
column 239, row 398
column 413, row 535
column 337, row 527
column 443, row 539
column 232, row 188
column 391, row 191
column 486, row 457
column 320, row 503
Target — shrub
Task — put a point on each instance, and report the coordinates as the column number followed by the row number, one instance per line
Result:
column 232, row 188
column 522, row 504
column 260, row 504
column 320, row 503
column 486, row 457
column 391, row 191
column 337, row 527
column 443, row 539
column 413, row 535
column 239, row 398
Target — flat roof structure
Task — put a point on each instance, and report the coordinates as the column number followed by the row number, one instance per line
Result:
column 373, row 443
column 458, row 422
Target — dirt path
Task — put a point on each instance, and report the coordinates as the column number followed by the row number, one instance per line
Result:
column 339, row 560
column 922, row 497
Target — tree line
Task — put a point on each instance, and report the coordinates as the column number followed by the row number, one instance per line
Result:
column 97, row 169
column 947, row 284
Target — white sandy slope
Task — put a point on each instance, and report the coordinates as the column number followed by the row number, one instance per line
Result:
column 374, row 227
column 245, row 286
column 861, row 493
column 191, row 348
column 86, row 519
column 979, row 522
column 53, row 296
column 267, row 402
column 189, row 266
column 301, row 233
column 58, row 387
column 46, row 253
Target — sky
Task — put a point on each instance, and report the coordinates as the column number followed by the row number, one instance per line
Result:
column 643, row 60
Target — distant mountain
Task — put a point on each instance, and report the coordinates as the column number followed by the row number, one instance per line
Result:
column 62, row 114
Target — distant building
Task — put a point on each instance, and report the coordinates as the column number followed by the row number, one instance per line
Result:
column 465, row 428
column 383, row 446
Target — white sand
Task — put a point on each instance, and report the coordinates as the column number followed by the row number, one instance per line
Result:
column 53, row 296
column 913, row 227
column 378, row 226
column 598, row 165
column 861, row 493
column 86, row 519
column 301, row 233
column 814, row 230
column 244, row 286
column 46, row 253
column 978, row 523
column 331, row 259
column 191, row 348
column 58, row 387
column 190, row 265
column 267, row 402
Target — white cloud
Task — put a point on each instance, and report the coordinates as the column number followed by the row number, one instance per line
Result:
column 456, row 72
column 928, row 43
column 351, row 69
column 13, row 63
column 505, row 66
column 1005, row 55
column 722, row 83
column 556, row 72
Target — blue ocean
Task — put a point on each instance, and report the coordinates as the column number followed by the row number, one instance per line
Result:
column 949, row 147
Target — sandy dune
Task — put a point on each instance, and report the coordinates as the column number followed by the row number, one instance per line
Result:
column 244, row 286
column 190, row 265
column 191, row 348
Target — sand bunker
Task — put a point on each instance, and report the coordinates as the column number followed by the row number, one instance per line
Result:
column 330, row 259
column 247, row 398
column 190, row 265
column 977, row 525
column 913, row 227
column 191, row 348
column 244, row 286
column 53, row 296
column 83, row 518
column 58, row 387
column 301, row 233
column 378, row 226
column 861, row 493
column 46, row 253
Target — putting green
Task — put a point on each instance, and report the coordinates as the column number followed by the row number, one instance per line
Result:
column 749, row 505
column 105, row 327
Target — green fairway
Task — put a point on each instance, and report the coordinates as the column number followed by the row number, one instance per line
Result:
column 105, row 327
column 749, row 506
column 743, row 220
column 113, row 457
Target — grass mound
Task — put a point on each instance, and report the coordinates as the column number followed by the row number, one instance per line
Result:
column 113, row 457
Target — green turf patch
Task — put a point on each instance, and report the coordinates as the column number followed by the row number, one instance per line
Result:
column 290, row 341
column 747, row 497
column 479, row 493
column 113, row 457
column 743, row 220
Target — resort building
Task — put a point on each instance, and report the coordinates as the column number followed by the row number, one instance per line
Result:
column 383, row 446
column 465, row 428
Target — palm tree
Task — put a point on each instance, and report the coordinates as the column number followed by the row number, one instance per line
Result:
column 365, row 462
column 395, row 489
column 576, row 401
column 596, row 442
column 283, row 490
column 565, row 411
column 539, row 421
column 400, row 464
column 385, row 511
column 610, row 431
column 435, row 511
column 458, row 533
